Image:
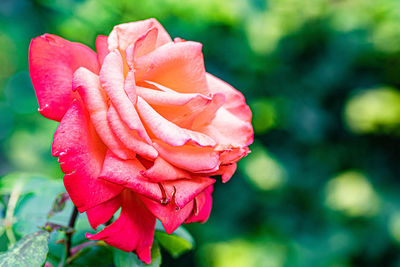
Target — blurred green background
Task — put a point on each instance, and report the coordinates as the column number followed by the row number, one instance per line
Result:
column 322, row 77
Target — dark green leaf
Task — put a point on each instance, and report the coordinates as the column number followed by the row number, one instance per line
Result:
column 179, row 242
column 123, row 259
column 30, row 250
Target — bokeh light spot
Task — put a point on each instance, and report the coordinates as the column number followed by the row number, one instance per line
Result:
column 351, row 193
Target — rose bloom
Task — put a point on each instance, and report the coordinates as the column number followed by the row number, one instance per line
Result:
column 142, row 127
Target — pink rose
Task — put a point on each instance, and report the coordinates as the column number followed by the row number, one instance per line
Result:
column 142, row 126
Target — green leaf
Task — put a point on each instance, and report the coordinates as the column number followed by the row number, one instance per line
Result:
column 30, row 250
column 177, row 243
column 58, row 204
column 123, row 259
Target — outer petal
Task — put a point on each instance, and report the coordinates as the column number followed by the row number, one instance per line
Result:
column 186, row 190
column 178, row 66
column 235, row 102
column 170, row 215
column 202, row 208
column 88, row 86
column 229, row 131
column 81, row 155
column 103, row 212
column 124, row 34
column 190, row 158
column 52, row 62
column 133, row 230
column 226, row 172
column 127, row 173
column 101, row 48
column 167, row 131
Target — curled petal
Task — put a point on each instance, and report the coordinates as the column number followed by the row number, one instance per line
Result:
column 188, row 157
column 102, row 213
column 162, row 170
column 126, row 173
column 101, row 48
column 202, row 208
column 128, row 137
column 81, row 155
column 133, row 230
column 112, row 80
column 178, row 66
column 52, row 62
column 167, row 131
column 170, row 215
column 88, row 86
column 125, row 34
column 235, row 102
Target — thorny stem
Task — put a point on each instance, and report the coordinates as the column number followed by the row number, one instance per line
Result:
column 68, row 236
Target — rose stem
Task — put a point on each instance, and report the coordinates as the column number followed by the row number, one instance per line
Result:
column 68, row 235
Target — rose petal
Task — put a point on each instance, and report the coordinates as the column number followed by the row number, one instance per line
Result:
column 178, row 66
column 125, row 34
column 183, row 191
column 229, row 131
column 170, row 215
column 52, row 62
column 203, row 206
column 101, row 48
column 127, row 173
column 226, row 172
column 188, row 157
column 167, row 131
column 133, row 230
column 128, row 137
column 180, row 109
column 235, row 102
column 112, row 80
column 164, row 171
column 102, row 213
column 81, row 155
column 88, row 86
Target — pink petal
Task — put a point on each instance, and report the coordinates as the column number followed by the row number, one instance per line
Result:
column 185, row 190
column 178, row 66
column 167, row 131
column 229, row 131
column 88, row 86
column 125, row 34
column 181, row 109
column 164, row 171
column 235, row 102
column 81, row 155
column 146, row 43
column 112, row 80
column 130, row 87
column 52, row 62
column 208, row 114
column 188, row 157
column 170, row 215
column 230, row 156
column 133, row 230
column 128, row 137
column 202, row 208
column 226, row 171
column 103, row 212
column 127, row 174
column 101, row 48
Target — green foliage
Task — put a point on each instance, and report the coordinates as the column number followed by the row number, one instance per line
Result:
column 321, row 187
column 177, row 243
column 122, row 259
column 30, row 250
